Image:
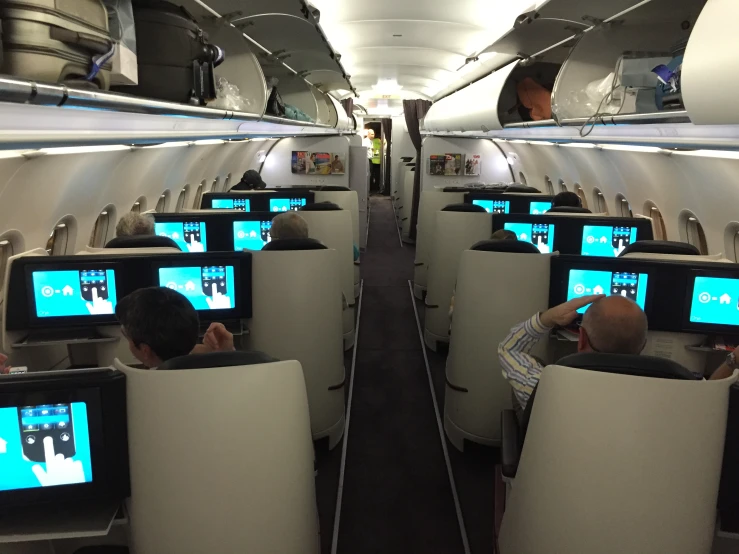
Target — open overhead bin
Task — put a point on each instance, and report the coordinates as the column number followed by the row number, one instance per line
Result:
column 609, row 71
column 490, row 103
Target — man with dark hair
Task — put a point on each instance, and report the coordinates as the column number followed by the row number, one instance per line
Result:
column 251, row 180
column 567, row 199
column 161, row 324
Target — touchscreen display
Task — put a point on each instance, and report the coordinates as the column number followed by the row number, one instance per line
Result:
column 584, row 282
column 715, row 301
column 189, row 235
column 209, row 287
column 540, row 235
column 494, row 206
column 65, row 293
column 251, row 235
column 44, row 446
column 241, row 204
column 539, row 208
column 607, row 242
column 286, row 204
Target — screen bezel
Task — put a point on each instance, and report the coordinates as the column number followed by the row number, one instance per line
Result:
column 183, row 220
column 237, row 312
column 711, row 328
column 36, row 322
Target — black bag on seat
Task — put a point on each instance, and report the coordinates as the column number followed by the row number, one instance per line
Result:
column 175, row 60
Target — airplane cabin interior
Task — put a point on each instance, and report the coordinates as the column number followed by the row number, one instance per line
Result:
column 330, row 277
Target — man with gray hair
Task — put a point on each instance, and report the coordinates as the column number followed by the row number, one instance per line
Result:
column 612, row 325
column 288, row 225
column 134, row 224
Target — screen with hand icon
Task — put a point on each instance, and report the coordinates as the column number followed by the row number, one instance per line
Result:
column 44, row 446
column 540, row 235
column 251, row 235
column 206, row 287
column 494, row 206
column 607, row 242
column 539, row 208
column 715, row 301
column 286, row 204
column 68, row 293
column 190, row 236
column 585, row 282
column 239, row 204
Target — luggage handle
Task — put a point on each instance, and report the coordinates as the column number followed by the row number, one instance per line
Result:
column 94, row 43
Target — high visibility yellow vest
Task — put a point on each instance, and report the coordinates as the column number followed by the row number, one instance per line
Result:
column 376, row 151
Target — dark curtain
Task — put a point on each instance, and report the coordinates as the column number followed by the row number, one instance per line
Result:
column 415, row 111
column 387, row 133
column 348, row 104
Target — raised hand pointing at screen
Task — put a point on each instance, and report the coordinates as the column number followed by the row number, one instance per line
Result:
column 59, row 470
column 218, row 301
column 99, row 305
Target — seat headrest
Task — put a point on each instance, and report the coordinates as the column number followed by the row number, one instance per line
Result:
column 522, row 188
column 320, row 207
column 294, row 244
column 218, row 359
column 661, row 247
column 511, row 246
column 406, row 159
column 627, row 364
column 464, row 208
column 568, row 210
column 142, row 241
column 333, row 188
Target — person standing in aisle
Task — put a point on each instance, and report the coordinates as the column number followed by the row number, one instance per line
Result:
column 375, row 157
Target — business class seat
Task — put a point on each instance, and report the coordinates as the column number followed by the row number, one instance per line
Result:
column 523, row 189
column 331, row 225
column 297, row 315
column 454, row 232
column 282, row 245
column 661, row 247
column 431, row 202
column 333, row 188
column 620, row 456
column 346, row 200
column 221, row 459
column 728, row 498
column 568, row 210
column 499, row 284
column 406, row 201
column 142, row 241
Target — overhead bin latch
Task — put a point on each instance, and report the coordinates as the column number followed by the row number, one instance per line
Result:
column 225, row 18
column 526, row 18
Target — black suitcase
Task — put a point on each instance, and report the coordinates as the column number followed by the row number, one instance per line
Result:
column 175, row 60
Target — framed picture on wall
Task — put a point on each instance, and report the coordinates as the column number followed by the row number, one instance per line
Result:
column 299, row 161
column 472, row 165
column 437, row 164
column 318, row 163
column 338, row 164
column 454, row 164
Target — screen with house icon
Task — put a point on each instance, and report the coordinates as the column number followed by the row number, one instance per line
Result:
column 251, row 235
column 607, row 242
column 66, row 293
column 584, row 282
column 44, row 446
column 206, row 287
column 715, row 301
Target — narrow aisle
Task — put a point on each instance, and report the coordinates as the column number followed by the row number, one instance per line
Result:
column 396, row 496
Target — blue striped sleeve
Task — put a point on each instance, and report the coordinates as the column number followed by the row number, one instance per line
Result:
column 519, row 367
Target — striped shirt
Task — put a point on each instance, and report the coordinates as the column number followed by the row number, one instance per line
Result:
column 520, row 368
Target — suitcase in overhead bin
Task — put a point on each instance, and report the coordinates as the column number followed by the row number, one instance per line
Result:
column 176, row 61
column 65, row 41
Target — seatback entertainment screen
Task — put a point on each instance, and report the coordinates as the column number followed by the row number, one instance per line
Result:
column 73, row 293
column 585, row 282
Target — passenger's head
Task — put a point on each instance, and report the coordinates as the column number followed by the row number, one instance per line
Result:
column 503, row 234
column 567, row 199
column 133, row 224
column 252, row 180
column 370, row 134
column 159, row 323
column 289, row 225
column 613, row 325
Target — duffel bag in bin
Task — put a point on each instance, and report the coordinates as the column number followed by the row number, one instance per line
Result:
column 176, row 61
column 57, row 42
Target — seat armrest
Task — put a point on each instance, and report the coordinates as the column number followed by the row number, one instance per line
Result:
column 510, row 450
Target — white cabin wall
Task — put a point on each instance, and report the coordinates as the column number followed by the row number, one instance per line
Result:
column 707, row 186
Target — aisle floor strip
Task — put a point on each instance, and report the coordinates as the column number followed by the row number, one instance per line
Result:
column 340, row 493
column 440, row 426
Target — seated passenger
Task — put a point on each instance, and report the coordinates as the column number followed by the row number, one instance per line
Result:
column 567, row 199
column 251, row 180
column 289, row 225
column 612, row 325
column 133, row 224
column 4, row 367
column 161, row 324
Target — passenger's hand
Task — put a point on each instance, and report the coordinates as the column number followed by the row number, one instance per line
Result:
column 621, row 248
column 564, row 314
column 99, row 305
column 543, row 246
column 218, row 339
column 218, row 301
column 194, row 246
column 4, row 368
column 59, row 470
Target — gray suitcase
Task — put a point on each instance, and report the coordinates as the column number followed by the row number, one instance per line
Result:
column 55, row 41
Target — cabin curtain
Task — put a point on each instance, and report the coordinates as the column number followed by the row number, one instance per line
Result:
column 348, row 104
column 387, row 134
column 415, row 111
